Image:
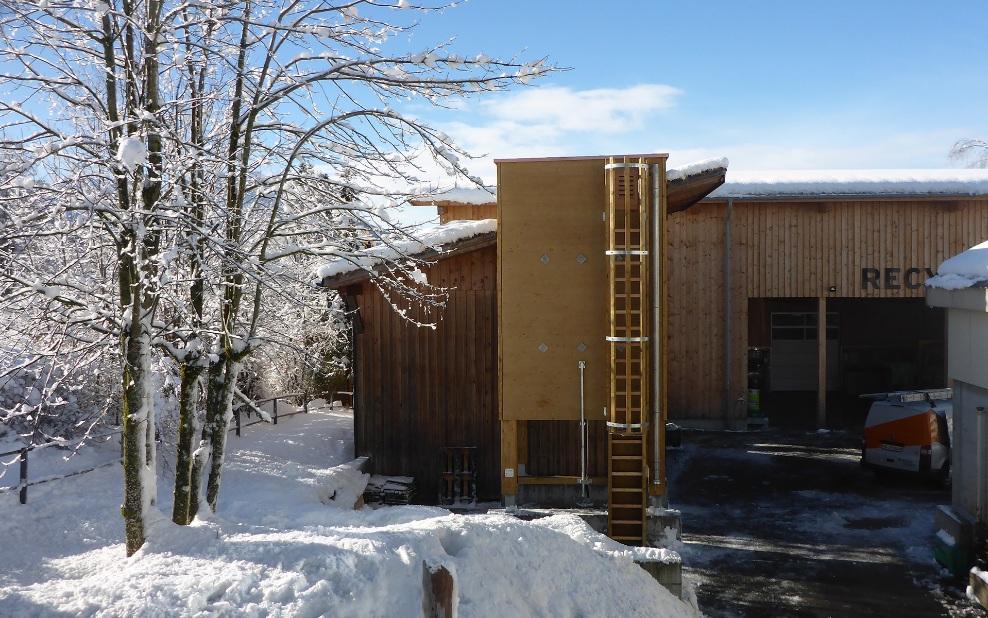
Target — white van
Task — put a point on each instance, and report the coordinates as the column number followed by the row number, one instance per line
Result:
column 909, row 431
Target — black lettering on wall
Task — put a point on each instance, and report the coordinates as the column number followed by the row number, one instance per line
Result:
column 892, row 278
column 912, row 278
column 870, row 276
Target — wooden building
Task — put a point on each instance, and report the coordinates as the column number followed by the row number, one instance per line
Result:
column 569, row 328
column 750, row 270
column 418, row 390
column 756, row 266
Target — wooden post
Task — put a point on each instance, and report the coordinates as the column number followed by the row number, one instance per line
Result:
column 236, row 417
column 24, row 476
column 305, row 403
column 821, row 338
column 438, row 591
column 275, row 411
column 509, row 461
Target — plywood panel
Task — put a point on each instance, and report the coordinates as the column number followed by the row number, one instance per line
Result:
column 552, row 209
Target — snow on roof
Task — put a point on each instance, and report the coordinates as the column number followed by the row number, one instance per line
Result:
column 462, row 195
column 964, row 270
column 428, row 238
column 805, row 183
column 699, row 167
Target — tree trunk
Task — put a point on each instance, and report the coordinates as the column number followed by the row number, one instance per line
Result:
column 140, row 486
column 225, row 386
column 220, row 386
column 188, row 401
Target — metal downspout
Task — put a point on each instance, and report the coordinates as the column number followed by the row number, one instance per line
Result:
column 584, row 481
column 656, row 334
column 727, row 309
column 980, row 477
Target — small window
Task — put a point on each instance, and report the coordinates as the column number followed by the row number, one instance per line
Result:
column 802, row 326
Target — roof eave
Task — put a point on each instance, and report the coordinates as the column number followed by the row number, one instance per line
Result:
column 474, row 243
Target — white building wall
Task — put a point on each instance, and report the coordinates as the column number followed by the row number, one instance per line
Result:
column 968, row 470
column 967, row 346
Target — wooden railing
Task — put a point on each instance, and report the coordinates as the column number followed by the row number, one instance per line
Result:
column 263, row 417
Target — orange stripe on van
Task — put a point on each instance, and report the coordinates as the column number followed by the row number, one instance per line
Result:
column 914, row 430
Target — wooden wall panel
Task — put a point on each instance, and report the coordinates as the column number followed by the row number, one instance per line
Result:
column 790, row 249
column 423, row 388
column 470, row 212
column 552, row 208
column 554, row 448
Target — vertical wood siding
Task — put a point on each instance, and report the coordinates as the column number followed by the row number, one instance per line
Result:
column 790, row 249
column 423, row 388
column 468, row 212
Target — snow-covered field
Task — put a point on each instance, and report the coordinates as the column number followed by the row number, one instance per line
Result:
column 287, row 542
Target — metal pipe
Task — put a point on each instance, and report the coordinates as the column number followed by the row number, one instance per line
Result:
column 583, row 436
column 727, row 309
column 656, row 336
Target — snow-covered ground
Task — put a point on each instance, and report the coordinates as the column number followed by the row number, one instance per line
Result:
column 287, row 542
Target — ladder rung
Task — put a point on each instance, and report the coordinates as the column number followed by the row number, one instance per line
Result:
column 626, row 473
column 626, row 521
column 626, row 538
column 627, row 490
column 627, row 457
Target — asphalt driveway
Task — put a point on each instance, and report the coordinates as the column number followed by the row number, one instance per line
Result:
column 787, row 523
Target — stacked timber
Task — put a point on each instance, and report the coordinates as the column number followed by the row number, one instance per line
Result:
column 390, row 490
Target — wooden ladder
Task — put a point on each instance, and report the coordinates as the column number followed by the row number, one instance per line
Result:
column 628, row 182
column 627, row 488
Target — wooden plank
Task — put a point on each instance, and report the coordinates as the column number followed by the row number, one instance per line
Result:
column 560, row 480
column 509, row 457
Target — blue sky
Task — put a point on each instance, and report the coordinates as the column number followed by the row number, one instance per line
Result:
column 768, row 84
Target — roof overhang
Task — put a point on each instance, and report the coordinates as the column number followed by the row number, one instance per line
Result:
column 682, row 193
column 432, row 254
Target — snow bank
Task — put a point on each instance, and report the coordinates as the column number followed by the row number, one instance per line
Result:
column 853, row 182
column 962, row 271
column 429, row 238
column 287, row 542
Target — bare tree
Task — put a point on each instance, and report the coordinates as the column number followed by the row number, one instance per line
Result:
column 972, row 151
column 213, row 151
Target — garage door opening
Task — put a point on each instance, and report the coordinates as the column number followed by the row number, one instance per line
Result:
column 872, row 345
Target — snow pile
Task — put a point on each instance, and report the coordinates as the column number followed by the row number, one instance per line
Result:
column 699, row 167
column 962, row 271
column 429, row 238
column 804, row 183
column 287, row 542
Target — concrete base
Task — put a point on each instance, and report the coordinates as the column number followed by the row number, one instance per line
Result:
column 670, row 575
column 979, row 587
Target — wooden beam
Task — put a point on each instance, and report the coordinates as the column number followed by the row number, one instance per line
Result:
column 559, row 480
column 509, row 458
